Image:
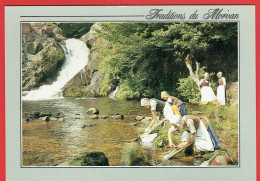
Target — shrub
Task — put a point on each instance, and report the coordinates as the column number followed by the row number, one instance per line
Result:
column 190, row 91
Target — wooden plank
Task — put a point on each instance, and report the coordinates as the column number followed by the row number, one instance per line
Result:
column 173, row 152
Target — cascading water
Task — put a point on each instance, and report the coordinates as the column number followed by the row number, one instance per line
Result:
column 76, row 58
column 112, row 95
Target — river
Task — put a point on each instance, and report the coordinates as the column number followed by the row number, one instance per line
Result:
column 52, row 143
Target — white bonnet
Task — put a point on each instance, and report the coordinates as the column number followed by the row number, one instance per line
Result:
column 219, row 73
column 145, row 102
column 206, row 73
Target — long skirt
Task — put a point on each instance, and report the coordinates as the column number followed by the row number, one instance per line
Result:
column 207, row 94
column 182, row 110
column 202, row 139
column 214, row 137
column 221, row 94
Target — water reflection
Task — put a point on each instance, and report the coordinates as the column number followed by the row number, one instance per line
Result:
column 55, row 142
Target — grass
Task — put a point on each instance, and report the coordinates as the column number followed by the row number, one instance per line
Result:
column 224, row 121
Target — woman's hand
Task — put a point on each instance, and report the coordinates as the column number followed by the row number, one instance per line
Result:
column 173, row 145
column 182, row 145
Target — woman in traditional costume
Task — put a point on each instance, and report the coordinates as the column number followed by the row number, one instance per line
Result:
column 207, row 94
column 154, row 105
column 175, row 103
column 158, row 106
column 197, row 132
column 221, row 89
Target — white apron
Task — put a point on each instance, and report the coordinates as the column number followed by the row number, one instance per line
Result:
column 221, row 95
column 169, row 114
column 207, row 94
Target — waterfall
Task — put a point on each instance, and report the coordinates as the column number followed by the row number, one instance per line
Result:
column 76, row 58
column 112, row 95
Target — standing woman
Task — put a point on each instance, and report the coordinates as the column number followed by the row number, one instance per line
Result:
column 207, row 94
column 221, row 89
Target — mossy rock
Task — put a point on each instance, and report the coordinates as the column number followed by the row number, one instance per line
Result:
column 90, row 159
column 145, row 123
column 131, row 155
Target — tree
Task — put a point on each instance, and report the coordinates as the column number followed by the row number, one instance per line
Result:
column 146, row 58
column 74, row 30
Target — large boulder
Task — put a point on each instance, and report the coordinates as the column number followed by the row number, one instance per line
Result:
column 131, row 155
column 232, row 93
column 90, row 159
column 144, row 123
column 93, row 111
column 42, row 54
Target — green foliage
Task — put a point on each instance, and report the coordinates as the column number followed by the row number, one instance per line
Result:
column 161, row 139
column 189, row 90
column 146, row 58
column 74, row 30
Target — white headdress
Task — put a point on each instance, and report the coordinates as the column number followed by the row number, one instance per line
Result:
column 219, row 73
column 206, row 73
column 145, row 102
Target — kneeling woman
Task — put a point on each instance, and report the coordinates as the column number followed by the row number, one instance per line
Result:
column 196, row 132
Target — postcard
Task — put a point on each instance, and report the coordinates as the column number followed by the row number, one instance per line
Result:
column 130, row 92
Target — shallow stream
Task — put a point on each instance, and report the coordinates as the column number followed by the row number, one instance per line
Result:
column 53, row 143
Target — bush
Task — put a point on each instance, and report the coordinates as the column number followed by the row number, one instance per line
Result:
column 190, row 91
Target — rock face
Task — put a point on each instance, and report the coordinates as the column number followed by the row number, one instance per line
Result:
column 131, row 155
column 232, row 93
column 42, row 54
column 90, row 159
column 88, row 81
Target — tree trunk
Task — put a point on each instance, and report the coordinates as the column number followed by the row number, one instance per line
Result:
column 195, row 76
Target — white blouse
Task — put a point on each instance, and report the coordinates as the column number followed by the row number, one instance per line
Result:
column 224, row 80
column 190, row 125
column 153, row 104
column 202, row 80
